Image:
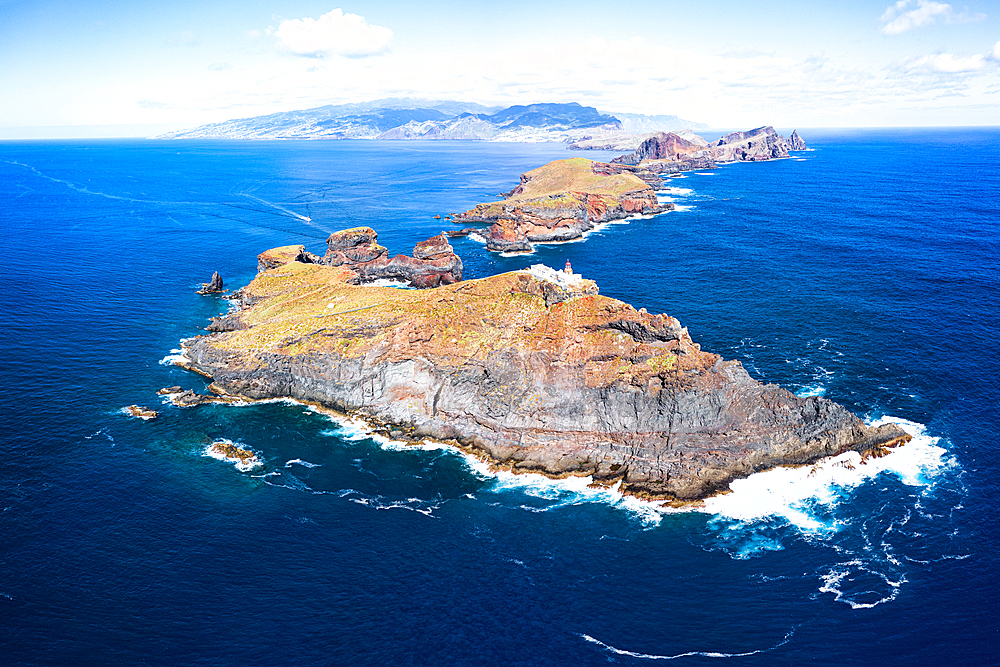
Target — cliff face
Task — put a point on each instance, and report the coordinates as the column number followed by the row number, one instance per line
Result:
column 433, row 263
column 666, row 152
column 762, row 143
column 534, row 370
column 664, row 146
column 561, row 201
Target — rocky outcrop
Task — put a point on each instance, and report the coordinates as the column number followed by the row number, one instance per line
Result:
column 629, row 142
column 530, row 371
column 275, row 257
column 186, row 398
column 762, row 143
column 214, row 286
column 561, row 201
column 433, row 263
column 795, row 142
column 662, row 146
column 141, row 412
column 666, row 152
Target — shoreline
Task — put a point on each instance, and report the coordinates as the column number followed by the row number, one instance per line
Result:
column 383, row 433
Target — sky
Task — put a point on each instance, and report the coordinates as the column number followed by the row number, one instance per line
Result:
column 124, row 68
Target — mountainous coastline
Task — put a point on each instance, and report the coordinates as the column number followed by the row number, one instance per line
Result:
column 407, row 119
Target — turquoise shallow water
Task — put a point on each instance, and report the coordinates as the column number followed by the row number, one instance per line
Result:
column 864, row 270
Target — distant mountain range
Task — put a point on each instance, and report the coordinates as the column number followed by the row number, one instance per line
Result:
column 403, row 118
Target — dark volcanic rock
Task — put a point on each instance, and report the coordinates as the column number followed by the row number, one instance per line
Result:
column 212, row 287
column 185, row 398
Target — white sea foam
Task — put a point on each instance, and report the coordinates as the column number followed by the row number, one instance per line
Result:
column 176, row 356
column 703, row 654
column 857, row 571
column 519, row 253
column 791, row 493
column 568, row 491
column 563, row 492
column 253, row 462
column 305, row 464
column 704, row 173
column 811, row 390
column 678, row 192
column 680, row 208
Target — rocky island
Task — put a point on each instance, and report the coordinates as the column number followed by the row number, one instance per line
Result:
column 566, row 198
column 562, row 200
column 532, row 370
column 670, row 153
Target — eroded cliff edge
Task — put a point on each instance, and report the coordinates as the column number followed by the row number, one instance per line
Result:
column 531, row 369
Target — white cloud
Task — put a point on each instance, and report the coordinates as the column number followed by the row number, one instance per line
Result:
column 926, row 12
column 333, row 33
column 898, row 19
column 945, row 63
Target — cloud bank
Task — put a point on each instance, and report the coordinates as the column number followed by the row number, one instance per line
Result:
column 333, row 33
column 946, row 63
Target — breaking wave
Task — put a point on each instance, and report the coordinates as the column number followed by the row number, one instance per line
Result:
column 866, row 512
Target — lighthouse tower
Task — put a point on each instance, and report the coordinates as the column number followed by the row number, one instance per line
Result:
column 568, row 269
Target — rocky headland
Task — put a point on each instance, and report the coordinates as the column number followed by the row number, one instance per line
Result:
column 670, row 153
column 762, row 143
column 532, row 370
column 562, row 200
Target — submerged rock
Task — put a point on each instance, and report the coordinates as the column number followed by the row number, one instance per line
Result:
column 244, row 458
column 532, row 370
column 186, row 398
column 141, row 413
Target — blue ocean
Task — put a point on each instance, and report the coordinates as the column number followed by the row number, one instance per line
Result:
column 864, row 269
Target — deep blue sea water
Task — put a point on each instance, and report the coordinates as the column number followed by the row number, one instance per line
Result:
column 865, row 270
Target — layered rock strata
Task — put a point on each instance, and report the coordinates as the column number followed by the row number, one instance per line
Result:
column 762, row 143
column 560, row 201
column 531, row 372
